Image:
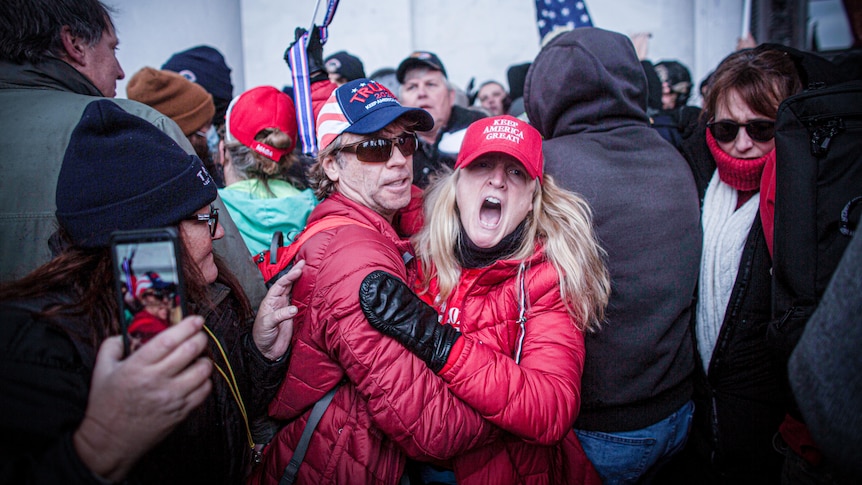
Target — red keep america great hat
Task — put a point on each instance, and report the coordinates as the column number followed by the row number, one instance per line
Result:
column 503, row 134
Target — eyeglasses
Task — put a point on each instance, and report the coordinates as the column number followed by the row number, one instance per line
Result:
column 377, row 150
column 758, row 130
column 211, row 219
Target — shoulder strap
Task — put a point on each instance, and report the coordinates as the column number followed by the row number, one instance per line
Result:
column 317, row 411
column 285, row 254
column 315, row 227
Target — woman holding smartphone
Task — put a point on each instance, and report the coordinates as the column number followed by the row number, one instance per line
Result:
column 75, row 410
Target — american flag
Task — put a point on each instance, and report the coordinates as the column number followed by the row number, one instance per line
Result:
column 565, row 14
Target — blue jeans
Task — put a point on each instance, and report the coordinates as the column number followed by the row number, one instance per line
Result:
column 634, row 456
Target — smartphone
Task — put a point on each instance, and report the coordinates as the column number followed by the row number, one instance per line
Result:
column 149, row 283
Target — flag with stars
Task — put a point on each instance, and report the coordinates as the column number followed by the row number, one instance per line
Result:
column 561, row 14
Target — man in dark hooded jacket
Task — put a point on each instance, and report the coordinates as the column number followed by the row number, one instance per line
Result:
column 586, row 93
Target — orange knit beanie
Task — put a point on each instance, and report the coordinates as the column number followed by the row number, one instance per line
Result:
column 181, row 100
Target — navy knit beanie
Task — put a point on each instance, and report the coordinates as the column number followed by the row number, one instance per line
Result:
column 206, row 66
column 120, row 173
column 346, row 65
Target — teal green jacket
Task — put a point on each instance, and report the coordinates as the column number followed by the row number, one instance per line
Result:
column 259, row 213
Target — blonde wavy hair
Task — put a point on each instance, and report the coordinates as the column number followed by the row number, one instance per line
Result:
column 561, row 221
column 248, row 164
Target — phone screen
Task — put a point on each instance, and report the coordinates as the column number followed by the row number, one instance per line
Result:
column 148, row 283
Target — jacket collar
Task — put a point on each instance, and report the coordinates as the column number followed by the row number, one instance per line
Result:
column 50, row 74
column 337, row 204
column 507, row 268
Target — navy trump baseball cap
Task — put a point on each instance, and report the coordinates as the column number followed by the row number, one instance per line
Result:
column 362, row 107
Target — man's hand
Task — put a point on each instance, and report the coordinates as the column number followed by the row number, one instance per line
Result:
column 273, row 326
column 747, row 42
column 391, row 307
column 313, row 49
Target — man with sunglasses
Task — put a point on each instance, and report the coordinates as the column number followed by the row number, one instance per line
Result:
column 387, row 404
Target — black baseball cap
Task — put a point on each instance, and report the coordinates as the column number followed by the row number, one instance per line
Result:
column 419, row 58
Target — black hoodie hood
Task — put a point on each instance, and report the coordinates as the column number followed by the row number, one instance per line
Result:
column 587, row 75
column 586, row 93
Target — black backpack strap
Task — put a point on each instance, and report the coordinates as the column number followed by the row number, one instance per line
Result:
column 292, row 468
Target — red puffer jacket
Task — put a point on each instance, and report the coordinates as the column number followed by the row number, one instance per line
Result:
column 536, row 400
column 388, row 404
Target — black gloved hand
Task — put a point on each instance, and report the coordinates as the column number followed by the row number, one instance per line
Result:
column 314, row 51
column 391, row 307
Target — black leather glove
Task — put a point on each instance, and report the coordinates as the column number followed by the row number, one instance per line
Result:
column 313, row 50
column 391, row 307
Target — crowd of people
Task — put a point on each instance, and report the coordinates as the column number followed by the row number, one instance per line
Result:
column 567, row 282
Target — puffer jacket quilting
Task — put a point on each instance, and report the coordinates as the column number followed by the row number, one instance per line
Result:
column 389, row 405
column 536, row 400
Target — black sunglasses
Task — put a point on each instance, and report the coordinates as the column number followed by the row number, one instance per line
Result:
column 758, row 130
column 211, row 219
column 377, row 150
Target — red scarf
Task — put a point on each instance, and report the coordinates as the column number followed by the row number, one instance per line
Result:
column 742, row 174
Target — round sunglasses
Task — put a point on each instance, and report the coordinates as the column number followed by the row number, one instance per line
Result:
column 758, row 130
column 379, row 149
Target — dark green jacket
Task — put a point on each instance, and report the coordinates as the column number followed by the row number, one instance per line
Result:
column 40, row 105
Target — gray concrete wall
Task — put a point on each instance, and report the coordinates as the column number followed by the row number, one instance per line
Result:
column 150, row 31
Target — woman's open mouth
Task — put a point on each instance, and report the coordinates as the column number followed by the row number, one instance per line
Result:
column 490, row 212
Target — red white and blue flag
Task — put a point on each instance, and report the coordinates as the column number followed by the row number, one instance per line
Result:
column 564, row 14
column 301, row 83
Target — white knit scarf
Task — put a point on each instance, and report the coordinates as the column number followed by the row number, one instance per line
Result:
column 725, row 230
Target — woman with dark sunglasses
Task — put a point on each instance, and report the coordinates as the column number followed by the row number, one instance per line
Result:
column 739, row 403
column 75, row 410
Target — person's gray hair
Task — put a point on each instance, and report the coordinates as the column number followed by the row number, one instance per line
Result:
column 322, row 185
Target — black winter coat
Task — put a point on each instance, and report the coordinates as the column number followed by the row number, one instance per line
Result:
column 45, row 369
column 739, row 401
column 589, row 104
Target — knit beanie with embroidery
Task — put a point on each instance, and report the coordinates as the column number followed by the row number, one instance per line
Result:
column 346, row 65
column 120, row 172
column 181, row 100
column 206, row 66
